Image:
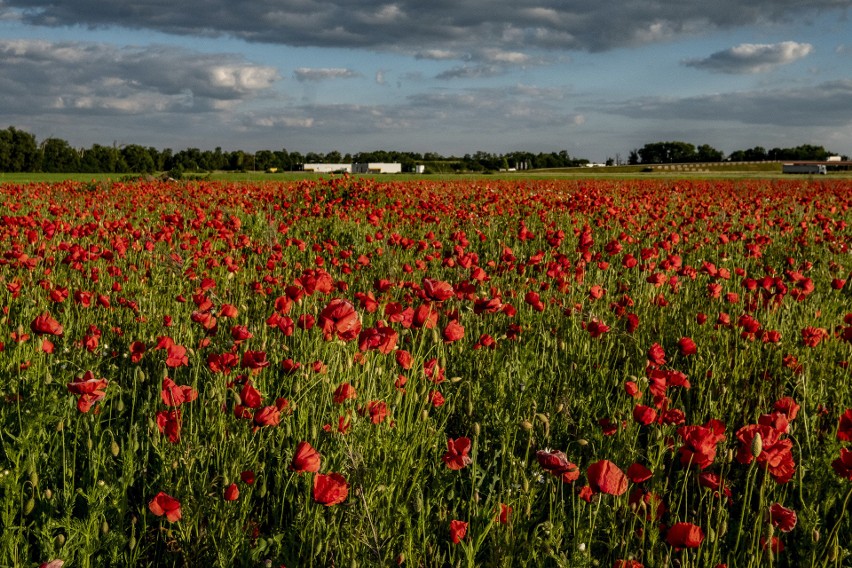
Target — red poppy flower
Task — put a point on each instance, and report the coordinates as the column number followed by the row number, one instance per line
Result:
column 458, row 530
column 381, row 338
column 267, row 416
column 639, row 473
column 782, row 518
column 176, row 356
column 787, row 406
column 343, row 393
column 605, row 477
column 437, row 290
column 687, row 346
column 504, row 514
column 644, row 415
column 339, row 319
column 250, row 396
column 247, row 476
column 228, row 311
column 174, row 395
column 456, row 455
column 46, row 325
column 163, row 504
column 452, row 332
column 137, row 350
column 377, row 409
column 425, row 317
column 330, row 489
column 776, row 454
column 685, row 535
column 656, row 355
column 699, row 443
column 844, row 426
column 88, row 389
column 305, row 458
column 436, row 399
column 403, row 359
column 842, row 466
column 168, row 423
column 232, row 492
column 254, row 360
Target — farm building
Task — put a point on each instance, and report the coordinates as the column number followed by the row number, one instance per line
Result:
column 328, row 168
column 377, row 168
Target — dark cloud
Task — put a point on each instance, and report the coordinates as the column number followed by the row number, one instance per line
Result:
column 431, row 29
column 78, row 77
column 823, row 105
column 752, row 57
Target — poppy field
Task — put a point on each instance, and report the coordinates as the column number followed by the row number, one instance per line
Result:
column 352, row 372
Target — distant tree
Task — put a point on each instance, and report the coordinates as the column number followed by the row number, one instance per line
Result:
column 707, row 153
column 137, row 159
column 633, row 157
column 58, row 156
column 18, row 151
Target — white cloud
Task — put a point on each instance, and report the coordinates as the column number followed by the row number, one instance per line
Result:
column 323, row 74
column 753, row 57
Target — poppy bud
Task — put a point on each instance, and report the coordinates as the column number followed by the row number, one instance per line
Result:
column 815, row 535
column 105, row 527
column 114, row 448
column 140, row 374
column 48, row 494
column 757, row 445
column 526, row 425
column 583, row 442
column 89, row 443
column 28, row 508
column 476, row 429
column 131, row 544
column 34, row 478
column 60, row 539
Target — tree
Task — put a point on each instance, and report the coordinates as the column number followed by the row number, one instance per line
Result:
column 137, row 159
column 58, row 156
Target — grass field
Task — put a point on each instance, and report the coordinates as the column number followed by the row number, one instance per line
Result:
column 487, row 371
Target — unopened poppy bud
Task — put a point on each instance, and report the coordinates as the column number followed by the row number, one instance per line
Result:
column 28, row 508
column 815, row 535
column 105, row 527
column 526, row 425
column 60, row 426
column 120, row 405
column 60, row 539
column 89, row 443
column 174, row 464
column 48, row 494
column 476, row 429
column 140, row 374
column 583, row 442
column 34, row 478
column 114, row 449
column 424, row 415
column 730, row 456
column 560, row 408
column 418, row 503
column 757, row 446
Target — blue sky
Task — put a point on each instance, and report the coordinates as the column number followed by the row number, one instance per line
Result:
column 596, row 79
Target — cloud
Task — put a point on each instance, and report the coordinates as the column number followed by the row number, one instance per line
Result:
column 43, row 76
column 752, row 57
column 436, row 29
column 826, row 104
column 305, row 74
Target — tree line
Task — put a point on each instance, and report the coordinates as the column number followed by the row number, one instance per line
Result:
column 684, row 152
column 21, row 152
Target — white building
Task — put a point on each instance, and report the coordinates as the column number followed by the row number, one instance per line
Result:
column 328, row 168
column 377, row 168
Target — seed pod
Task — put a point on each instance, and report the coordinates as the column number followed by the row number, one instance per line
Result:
column 757, row 446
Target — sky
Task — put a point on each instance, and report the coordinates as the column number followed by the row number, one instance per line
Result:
column 597, row 79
